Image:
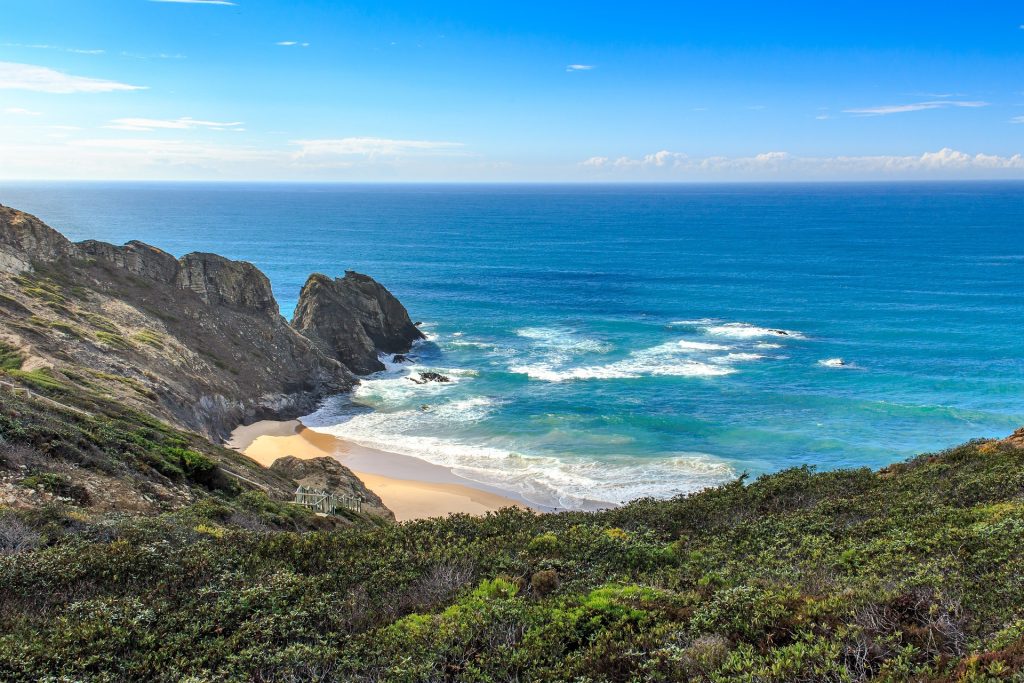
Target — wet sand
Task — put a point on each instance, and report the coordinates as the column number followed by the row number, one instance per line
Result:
column 411, row 488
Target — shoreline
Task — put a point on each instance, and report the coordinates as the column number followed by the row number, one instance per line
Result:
column 410, row 487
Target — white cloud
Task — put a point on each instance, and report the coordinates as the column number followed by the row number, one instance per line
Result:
column 916, row 106
column 14, row 76
column 184, row 123
column 945, row 162
column 199, row 2
column 579, row 67
column 1017, row 119
column 160, row 55
column 75, row 50
column 18, row 111
column 661, row 159
column 291, row 43
column 168, row 158
column 372, row 148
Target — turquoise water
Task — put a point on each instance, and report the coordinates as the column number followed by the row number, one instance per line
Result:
column 616, row 341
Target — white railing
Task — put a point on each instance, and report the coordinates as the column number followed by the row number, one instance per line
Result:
column 326, row 502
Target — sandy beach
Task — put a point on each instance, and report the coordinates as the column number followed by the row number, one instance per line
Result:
column 411, row 488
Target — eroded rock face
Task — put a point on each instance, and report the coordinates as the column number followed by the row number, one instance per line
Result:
column 327, row 473
column 22, row 235
column 200, row 338
column 135, row 257
column 221, row 281
column 353, row 319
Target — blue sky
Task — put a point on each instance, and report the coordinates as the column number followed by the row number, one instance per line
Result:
column 535, row 91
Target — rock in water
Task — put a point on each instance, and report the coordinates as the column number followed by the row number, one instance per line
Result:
column 353, row 319
column 430, row 377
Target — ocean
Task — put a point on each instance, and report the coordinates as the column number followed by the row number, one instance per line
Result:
column 611, row 342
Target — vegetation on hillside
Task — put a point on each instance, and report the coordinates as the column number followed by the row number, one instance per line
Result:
column 86, row 449
column 911, row 573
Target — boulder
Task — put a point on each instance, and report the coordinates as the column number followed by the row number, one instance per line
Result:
column 354, row 319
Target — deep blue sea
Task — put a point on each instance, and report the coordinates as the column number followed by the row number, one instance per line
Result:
column 609, row 342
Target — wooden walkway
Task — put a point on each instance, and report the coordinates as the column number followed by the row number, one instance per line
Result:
column 29, row 394
column 326, row 502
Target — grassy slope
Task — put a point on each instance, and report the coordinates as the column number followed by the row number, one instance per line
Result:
column 912, row 573
column 117, row 459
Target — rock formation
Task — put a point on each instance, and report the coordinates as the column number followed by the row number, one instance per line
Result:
column 353, row 319
column 327, row 473
column 199, row 340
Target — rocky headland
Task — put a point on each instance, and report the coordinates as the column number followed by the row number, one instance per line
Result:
column 197, row 341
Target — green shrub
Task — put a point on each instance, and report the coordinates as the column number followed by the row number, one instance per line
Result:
column 10, row 357
column 114, row 340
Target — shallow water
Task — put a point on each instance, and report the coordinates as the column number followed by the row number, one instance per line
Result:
column 617, row 341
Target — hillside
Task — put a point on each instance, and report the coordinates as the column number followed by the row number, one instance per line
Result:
column 140, row 362
column 911, row 573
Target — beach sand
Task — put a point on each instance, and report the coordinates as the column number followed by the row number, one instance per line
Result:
column 411, row 488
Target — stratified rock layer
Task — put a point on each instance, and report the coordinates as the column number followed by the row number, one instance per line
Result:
column 198, row 339
column 353, row 319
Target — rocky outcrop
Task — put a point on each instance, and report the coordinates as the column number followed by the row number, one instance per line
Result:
column 134, row 257
column 26, row 238
column 198, row 341
column 353, row 319
column 327, row 473
column 221, row 281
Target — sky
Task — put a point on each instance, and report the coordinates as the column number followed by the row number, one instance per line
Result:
column 639, row 91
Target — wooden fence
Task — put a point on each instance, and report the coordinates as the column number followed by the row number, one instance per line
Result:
column 326, row 502
column 22, row 391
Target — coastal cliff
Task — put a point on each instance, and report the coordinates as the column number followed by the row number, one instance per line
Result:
column 201, row 335
column 197, row 342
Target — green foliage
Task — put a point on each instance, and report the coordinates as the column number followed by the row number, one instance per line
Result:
column 41, row 379
column 58, row 485
column 909, row 574
column 149, row 338
column 10, row 357
column 114, row 340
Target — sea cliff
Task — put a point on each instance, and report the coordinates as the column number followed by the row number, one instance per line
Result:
column 200, row 338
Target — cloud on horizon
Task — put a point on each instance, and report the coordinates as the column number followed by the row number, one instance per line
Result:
column 887, row 109
column 668, row 165
column 19, row 111
column 291, row 43
column 340, row 149
column 16, row 76
column 579, row 67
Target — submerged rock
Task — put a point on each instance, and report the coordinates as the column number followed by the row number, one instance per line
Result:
column 354, row 319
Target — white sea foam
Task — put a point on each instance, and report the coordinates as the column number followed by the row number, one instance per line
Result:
column 563, row 341
column 835, row 363
column 748, row 331
column 737, row 358
column 692, row 323
column 767, row 345
column 563, row 482
column 687, row 345
column 662, row 360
